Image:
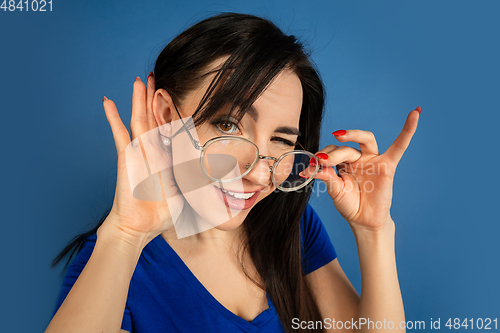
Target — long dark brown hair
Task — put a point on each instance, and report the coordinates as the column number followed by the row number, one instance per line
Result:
column 257, row 52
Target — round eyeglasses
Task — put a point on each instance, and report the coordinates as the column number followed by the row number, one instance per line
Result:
column 225, row 159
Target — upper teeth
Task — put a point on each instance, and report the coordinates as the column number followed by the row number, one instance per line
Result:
column 239, row 195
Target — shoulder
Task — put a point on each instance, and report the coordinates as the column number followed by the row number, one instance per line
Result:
column 311, row 225
column 75, row 267
column 309, row 216
column 317, row 248
column 85, row 251
column 88, row 245
column 80, row 256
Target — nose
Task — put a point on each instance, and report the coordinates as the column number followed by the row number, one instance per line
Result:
column 261, row 172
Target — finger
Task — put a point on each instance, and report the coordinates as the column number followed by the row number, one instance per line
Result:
column 330, row 156
column 398, row 147
column 366, row 139
column 120, row 133
column 139, row 120
column 333, row 182
column 149, row 101
column 342, row 154
column 341, row 167
column 328, row 149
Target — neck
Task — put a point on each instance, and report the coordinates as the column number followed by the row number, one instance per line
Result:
column 216, row 238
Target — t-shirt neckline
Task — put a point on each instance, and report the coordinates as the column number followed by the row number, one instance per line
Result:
column 184, row 271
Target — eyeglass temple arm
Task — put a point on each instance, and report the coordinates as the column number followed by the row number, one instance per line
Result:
column 193, row 141
column 301, row 146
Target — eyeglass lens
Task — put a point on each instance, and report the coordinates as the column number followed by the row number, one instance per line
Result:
column 230, row 159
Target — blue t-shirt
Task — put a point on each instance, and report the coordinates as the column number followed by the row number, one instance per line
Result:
column 165, row 296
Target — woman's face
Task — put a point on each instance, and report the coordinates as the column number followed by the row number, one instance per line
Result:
column 269, row 124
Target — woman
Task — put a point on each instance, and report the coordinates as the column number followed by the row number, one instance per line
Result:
column 270, row 266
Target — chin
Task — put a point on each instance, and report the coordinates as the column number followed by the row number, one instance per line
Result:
column 233, row 223
column 238, row 220
column 230, row 225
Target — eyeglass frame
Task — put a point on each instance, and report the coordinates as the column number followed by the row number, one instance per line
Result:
column 272, row 168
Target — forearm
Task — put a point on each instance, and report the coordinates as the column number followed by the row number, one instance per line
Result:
column 96, row 302
column 380, row 293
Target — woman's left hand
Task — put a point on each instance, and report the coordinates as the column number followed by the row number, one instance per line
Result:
column 363, row 192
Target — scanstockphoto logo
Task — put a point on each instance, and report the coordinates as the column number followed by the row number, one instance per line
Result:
column 355, row 324
column 358, row 172
column 366, row 324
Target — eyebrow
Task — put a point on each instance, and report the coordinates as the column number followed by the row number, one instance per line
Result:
column 287, row 130
column 252, row 112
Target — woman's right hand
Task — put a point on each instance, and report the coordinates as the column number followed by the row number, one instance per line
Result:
column 137, row 219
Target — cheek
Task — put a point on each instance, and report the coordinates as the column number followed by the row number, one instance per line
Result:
column 200, row 200
column 238, row 219
column 265, row 193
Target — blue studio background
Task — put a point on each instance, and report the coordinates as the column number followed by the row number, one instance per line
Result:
column 379, row 60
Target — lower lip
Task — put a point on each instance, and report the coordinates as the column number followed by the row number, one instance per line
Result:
column 233, row 203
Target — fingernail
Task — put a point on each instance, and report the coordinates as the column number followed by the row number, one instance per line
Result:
column 137, row 79
column 301, row 174
column 323, row 156
column 312, row 162
column 150, row 74
column 418, row 109
column 339, row 132
column 104, row 98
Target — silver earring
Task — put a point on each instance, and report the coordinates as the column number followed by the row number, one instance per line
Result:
column 166, row 141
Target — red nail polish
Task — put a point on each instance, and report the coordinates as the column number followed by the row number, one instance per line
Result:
column 339, row 132
column 418, row 109
column 104, row 98
column 150, row 74
column 323, row 156
column 303, row 176
column 138, row 79
column 312, row 162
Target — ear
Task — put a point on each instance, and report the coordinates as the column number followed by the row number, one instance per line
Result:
column 163, row 107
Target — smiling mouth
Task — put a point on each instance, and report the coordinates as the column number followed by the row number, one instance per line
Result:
column 237, row 200
column 239, row 195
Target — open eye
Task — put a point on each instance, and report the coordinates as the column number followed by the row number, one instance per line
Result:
column 226, row 126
